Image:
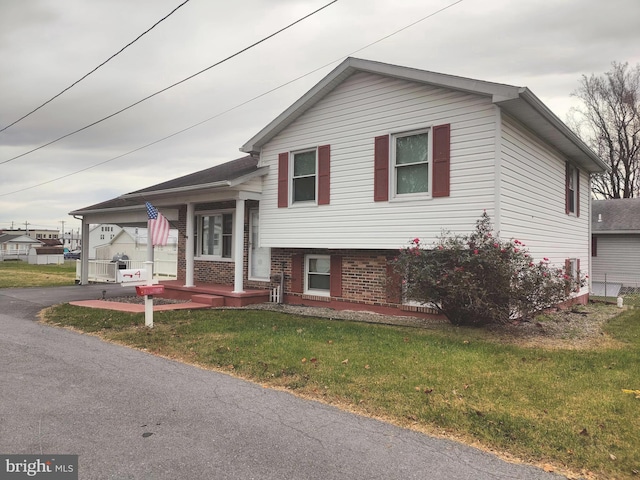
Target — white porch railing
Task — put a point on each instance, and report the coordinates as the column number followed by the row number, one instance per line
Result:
column 105, row 271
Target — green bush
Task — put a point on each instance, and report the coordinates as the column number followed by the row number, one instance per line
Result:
column 478, row 279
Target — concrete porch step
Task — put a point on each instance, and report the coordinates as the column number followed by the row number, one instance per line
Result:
column 213, row 300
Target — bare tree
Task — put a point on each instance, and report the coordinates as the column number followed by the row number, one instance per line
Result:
column 609, row 122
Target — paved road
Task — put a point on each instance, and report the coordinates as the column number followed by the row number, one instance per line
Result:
column 64, row 392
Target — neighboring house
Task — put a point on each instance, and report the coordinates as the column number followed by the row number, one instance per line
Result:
column 372, row 156
column 132, row 242
column 101, row 235
column 615, row 245
column 72, row 240
column 14, row 246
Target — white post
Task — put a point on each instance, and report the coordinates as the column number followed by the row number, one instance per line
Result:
column 238, row 246
column 148, row 299
column 84, row 255
column 189, row 250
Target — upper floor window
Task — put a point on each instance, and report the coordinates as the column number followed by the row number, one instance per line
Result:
column 304, row 176
column 572, row 190
column 411, row 162
column 214, row 234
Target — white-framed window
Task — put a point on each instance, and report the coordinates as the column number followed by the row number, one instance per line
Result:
column 410, row 158
column 304, row 176
column 317, row 274
column 572, row 188
column 214, row 235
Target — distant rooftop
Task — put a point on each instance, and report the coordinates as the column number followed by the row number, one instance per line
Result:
column 616, row 216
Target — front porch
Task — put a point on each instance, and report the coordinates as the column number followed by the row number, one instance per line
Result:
column 213, row 294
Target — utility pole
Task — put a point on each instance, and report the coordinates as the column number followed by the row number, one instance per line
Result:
column 62, row 222
column 26, row 228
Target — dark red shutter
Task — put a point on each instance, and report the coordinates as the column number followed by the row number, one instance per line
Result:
column 324, row 177
column 567, row 175
column 283, row 180
column 594, row 246
column 381, row 169
column 394, row 285
column 297, row 273
column 335, row 289
column 441, row 160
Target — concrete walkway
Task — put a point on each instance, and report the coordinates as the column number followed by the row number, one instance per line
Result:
column 136, row 307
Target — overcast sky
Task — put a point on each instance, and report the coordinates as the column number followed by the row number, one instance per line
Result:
column 46, row 45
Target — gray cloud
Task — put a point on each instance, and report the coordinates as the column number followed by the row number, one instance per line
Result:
column 45, row 45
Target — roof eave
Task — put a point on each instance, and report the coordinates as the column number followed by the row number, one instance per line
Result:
column 82, row 212
column 205, row 186
column 615, row 232
column 573, row 146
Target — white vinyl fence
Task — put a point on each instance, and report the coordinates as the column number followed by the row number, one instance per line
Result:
column 105, row 271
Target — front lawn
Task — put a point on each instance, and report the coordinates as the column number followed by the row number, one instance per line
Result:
column 560, row 407
column 17, row 274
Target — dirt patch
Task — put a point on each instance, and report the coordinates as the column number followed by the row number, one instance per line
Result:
column 577, row 328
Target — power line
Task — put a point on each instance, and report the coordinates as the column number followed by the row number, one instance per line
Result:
column 171, row 86
column 232, row 108
column 107, row 60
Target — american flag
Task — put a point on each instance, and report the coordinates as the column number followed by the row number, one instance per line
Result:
column 157, row 225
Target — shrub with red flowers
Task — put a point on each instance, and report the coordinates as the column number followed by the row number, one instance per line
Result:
column 478, row 279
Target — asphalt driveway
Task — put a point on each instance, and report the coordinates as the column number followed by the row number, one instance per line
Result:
column 132, row 415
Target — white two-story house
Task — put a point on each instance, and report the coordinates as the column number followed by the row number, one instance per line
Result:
column 371, row 157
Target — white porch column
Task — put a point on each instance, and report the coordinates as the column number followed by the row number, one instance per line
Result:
column 189, row 250
column 238, row 246
column 84, row 255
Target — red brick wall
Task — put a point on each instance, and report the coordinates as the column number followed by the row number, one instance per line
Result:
column 219, row 272
column 364, row 273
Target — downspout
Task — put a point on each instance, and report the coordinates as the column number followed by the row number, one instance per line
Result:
column 497, row 172
column 590, row 245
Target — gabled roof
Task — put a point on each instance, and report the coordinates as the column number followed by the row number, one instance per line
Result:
column 225, row 175
column 620, row 215
column 519, row 102
column 17, row 238
column 228, row 174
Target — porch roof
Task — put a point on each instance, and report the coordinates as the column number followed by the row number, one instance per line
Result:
column 129, row 208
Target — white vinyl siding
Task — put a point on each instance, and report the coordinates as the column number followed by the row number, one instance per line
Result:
column 618, row 258
column 348, row 119
column 532, row 199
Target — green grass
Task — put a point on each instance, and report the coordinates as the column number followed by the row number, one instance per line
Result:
column 14, row 274
column 628, row 300
column 562, row 407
